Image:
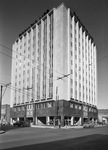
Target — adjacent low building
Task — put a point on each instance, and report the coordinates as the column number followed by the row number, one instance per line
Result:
column 5, row 114
column 103, row 115
column 54, row 73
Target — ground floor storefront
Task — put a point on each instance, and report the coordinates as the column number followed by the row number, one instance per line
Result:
column 60, row 112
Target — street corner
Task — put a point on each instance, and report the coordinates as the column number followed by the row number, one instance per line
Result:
column 1, row 131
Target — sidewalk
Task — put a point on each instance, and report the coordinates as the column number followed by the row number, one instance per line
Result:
column 56, row 127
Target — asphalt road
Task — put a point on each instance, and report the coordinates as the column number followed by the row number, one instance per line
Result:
column 55, row 139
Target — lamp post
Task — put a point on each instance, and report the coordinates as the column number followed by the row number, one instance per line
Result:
column 6, row 85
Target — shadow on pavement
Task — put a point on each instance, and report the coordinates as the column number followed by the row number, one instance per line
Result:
column 9, row 127
column 91, row 142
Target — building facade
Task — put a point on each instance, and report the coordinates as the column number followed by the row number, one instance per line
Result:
column 54, row 73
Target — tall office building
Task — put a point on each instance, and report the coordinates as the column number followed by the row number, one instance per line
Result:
column 54, row 73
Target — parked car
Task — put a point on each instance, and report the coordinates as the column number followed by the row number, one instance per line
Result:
column 88, row 125
column 21, row 124
column 100, row 123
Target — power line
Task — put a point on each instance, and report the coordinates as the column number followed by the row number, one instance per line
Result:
column 23, row 91
column 16, row 89
column 30, row 94
column 24, row 63
column 27, row 57
column 41, row 64
column 36, row 62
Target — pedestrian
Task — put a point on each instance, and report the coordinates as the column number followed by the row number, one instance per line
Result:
column 59, row 123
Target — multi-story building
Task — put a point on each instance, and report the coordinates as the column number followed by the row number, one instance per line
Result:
column 54, row 73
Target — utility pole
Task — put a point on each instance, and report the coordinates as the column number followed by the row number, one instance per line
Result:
column 57, row 99
column 6, row 85
column 28, row 88
column 56, row 107
column 1, row 105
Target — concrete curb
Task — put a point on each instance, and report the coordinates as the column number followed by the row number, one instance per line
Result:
column 65, row 127
column 52, row 127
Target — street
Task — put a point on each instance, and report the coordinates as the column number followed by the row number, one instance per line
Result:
column 55, row 139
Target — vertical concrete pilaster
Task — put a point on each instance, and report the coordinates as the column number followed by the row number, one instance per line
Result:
column 48, row 120
column 80, row 121
column 11, row 121
column 92, row 119
column 72, row 120
column 36, row 121
column 34, row 114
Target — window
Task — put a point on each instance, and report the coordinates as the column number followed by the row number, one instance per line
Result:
column 80, row 94
column 14, row 109
column 28, row 64
column 33, row 53
column 80, row 107
column 28, row 48
column 76, row 106
column 89, row 109
column 49, row 104
column 76, row 75
column 44, row 105
column 34, row 37
column 23, row 72
column 29, row 41
column 20, row 46
column 76, row 93
column 23, row 81
column 75, row 40
column 23, row 108
column 28, row 71
column 71, row 105
column 71, row 44
column 75, row 65
column 19, row 109
column 71, row 90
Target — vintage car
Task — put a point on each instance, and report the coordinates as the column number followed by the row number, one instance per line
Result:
column 88, row 125
column 21, row 124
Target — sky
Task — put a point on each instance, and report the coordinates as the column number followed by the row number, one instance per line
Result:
column 17, row 15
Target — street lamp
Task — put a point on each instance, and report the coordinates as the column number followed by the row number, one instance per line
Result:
column 6, row 85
